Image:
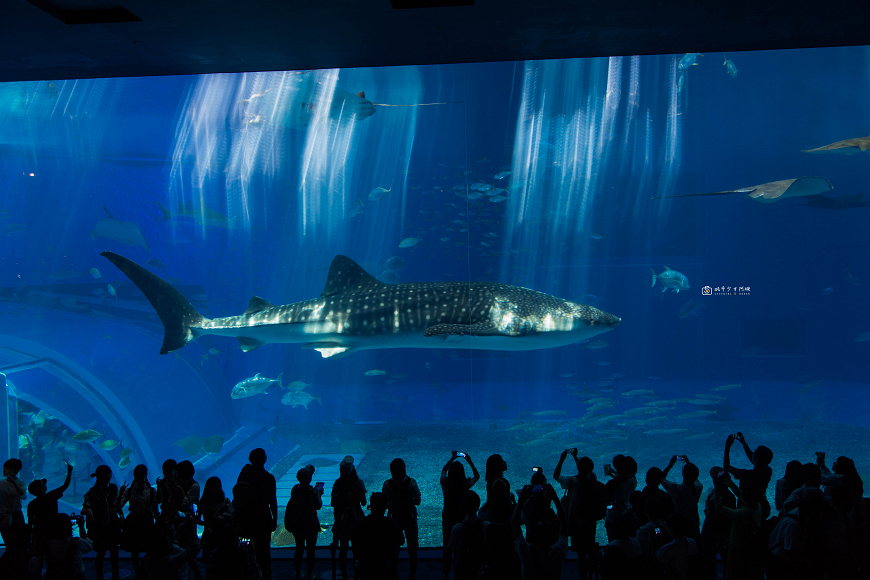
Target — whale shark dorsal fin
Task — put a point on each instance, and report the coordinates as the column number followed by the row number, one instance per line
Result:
column 345, row 275
column 257, row 304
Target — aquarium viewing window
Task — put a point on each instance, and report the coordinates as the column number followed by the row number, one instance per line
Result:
column 581, row 181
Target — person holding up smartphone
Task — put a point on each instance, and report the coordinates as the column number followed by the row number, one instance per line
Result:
column 300, row 518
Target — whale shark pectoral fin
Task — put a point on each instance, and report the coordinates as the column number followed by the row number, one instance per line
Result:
column 476, row 329
column 330, row 349
column 249, row 344
column 257, row 304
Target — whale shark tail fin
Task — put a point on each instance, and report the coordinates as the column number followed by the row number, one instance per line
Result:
column 176, row 313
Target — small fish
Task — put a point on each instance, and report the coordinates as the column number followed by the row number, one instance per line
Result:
column 87, row 436
column 728, row 387
column 681, row 83
column 108, row 444
column 253, row 386
column 664, row 431
column 126, row 452
column 690, row 308
column 375, row 373
column 566, row 375
column 549, row 413
column 156, row 264
column 699, row 436
column 595, row 236
column 299, row 398
column 696, row 414
column 356, row 209
column 213, row 350
column 596, row 344
column 501, row 175
column 112, row 291
column 409, row 242
column 95, row 273
column 604, row 363
column 445, row 239
column 730, row 68
column 689, row 59
column 828, row 291
column 497, row 198
column 670, row 279
column 378, row 193
column 296, row 386
column 863, row 337
column 639, row 393
column 124, row 463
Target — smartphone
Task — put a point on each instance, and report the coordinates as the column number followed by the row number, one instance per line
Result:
column 538, row 488
column 319, row 485
column 610, row 506
column 460, row 454
column 193, row 509
column 537, row 469
column 681, row 457
column 720, row 475
column 658, row 530
column 244, row 541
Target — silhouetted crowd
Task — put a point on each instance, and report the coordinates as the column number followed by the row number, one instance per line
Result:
column 819, row 526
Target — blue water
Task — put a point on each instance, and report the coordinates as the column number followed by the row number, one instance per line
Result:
column 260, row 180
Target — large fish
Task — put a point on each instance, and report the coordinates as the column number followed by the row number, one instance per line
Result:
column 124, row 232
column 357, row 312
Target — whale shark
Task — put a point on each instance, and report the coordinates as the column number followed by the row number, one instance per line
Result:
column 357, row 312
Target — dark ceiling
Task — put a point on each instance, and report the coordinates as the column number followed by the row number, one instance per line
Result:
column 42, row 39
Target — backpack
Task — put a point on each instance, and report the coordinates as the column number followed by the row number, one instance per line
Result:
column 291, row 515
column 589, row 503
column 472, row 554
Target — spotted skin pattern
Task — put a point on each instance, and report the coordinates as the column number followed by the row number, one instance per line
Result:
column 357, row 312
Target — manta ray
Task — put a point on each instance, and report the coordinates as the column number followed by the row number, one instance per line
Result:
column 845, row 147
column 124, row 232
column 775, row 190
column 357, row 312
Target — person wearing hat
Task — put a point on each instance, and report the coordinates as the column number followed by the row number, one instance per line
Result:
column 348, row 499
column 300, row 518
column 42, row 510
column 101, row 516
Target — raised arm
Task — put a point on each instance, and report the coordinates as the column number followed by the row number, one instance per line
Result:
column 726, row 461
column 667, row 469
column 475, row 477
column 746, row 448
column 557, row 473
column 447, row 465
column 518, row 511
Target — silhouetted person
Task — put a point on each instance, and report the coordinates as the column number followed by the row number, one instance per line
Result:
column 164, row 559
column 537, row 508
column 842, row 474
column 42, row 510
column 403, row 497
column 63, row 556
column 588, row 506
column 741, row 563
column 812, row 477
column 347, row 499
column 139, row 523
column 717, row 527
column 468, row 539
column 677, row 554
column 376, row 540
column 619, row 489
column 227, row 560
column 300, row 518
column 499, row 505
column 654, row 478
column 256, row 506
column 213, row 504
column 758, row 477
column 502, row 560
column 101, row 514
column 786, row 486
column 453, row 485
column 622, row 558
column 166, row 483
column 653, row 535
column 686, row 494
column 543, row 557
column 12, row 492
column 797, row 541
column 186, row 471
